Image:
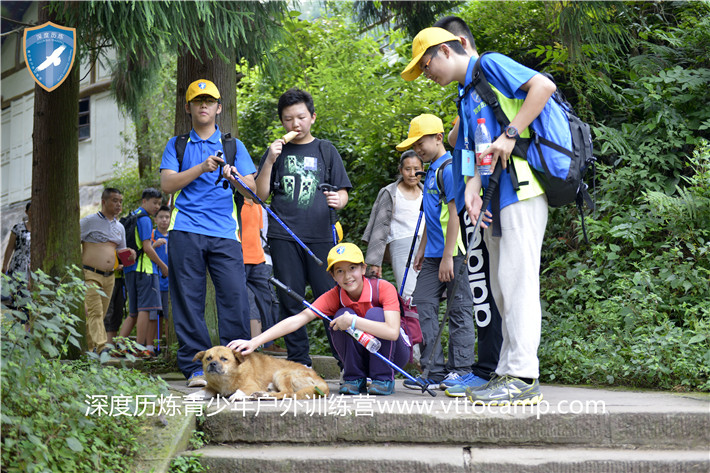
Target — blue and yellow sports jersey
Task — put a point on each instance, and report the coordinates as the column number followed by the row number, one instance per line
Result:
column 506, row 77
column 436, row 213
column 201, row 206
column 143, row 231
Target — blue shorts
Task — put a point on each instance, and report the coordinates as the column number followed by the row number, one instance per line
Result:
column 143, row 292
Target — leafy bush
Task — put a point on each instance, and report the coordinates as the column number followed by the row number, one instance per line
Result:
column 44, row 399
column 633, row 308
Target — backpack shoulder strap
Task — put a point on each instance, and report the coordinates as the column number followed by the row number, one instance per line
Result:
column 484, row 90
column 327, row 154
column 180, row 145
column 440, row 179
column 229, row 144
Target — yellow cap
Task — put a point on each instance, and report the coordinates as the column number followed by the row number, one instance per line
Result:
column 201, row 87
column 345, row 252
column 423, row 125
column 424, row 40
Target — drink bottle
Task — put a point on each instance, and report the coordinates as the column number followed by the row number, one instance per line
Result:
column 483, row 140
column 371, row 343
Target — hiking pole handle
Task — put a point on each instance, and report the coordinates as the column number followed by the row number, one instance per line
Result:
column 320, row 314
column 225, row 184
column 276, row 217
column 333, row 214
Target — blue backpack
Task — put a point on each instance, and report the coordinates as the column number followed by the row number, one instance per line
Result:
column 559, row 170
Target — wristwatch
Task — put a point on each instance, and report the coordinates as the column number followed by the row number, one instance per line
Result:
column 512, row 132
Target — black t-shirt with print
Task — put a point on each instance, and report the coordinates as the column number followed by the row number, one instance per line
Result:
column 297, row 173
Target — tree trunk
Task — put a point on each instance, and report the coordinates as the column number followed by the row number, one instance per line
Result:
column 222, row 73
column 55, row 180
column 143, row 143
column 55, row 174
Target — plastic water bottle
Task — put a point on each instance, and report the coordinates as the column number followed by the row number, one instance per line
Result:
column 483, row 140
column 371, row 343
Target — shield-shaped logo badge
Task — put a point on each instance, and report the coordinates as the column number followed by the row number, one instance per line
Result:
column 50, row 50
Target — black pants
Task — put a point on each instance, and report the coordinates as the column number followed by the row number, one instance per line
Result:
column 294, row 268
column 485, row 312
column 116, row 308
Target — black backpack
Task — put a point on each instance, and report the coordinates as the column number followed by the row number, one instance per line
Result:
column 560, row 189
column 440, row 180
column 229, row 144
column 130, row 224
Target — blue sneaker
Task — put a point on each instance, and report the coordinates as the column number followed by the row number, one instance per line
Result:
column 430, row 383
column 465, row 383
column 380, row 387
column 452, row 379
column 354, row 386
column 197, row 380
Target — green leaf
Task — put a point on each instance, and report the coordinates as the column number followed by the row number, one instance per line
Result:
column 74, row 444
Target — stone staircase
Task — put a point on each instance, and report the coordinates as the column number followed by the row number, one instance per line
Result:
column 574, row 430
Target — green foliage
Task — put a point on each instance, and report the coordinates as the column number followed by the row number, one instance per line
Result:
column 634, row 307
column 191, row 463
column 198, row 440
column 187, row 464
column 44, row 400
column 531, row 20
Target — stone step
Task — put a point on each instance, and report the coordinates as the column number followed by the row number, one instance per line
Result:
column 569, row 416
column 356, row 458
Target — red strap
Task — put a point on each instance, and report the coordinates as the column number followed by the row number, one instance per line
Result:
column 375, row 292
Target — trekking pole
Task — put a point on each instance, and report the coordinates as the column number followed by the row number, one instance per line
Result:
column 333, row 212
column 157, row 349
column 276, row 217
column 411, row 250
column 320, row 314
column 414, row 239
column 493, row 181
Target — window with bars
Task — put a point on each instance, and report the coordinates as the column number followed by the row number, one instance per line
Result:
column 84, row 119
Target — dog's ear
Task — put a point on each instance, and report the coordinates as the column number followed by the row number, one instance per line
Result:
column 238, row 356
column 199, row 356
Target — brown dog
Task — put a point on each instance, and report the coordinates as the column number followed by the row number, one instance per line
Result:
column 231, row 374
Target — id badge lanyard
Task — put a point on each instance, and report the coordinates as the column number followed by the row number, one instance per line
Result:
column 468, row 156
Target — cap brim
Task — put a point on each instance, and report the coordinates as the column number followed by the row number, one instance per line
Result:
column 211, row 94
column 412, row 70
column 406, row 144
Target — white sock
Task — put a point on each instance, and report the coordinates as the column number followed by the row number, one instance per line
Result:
column 149, row 347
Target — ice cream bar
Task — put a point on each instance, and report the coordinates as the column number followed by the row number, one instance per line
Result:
column 289, row 136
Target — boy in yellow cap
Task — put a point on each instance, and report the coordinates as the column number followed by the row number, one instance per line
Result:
column 356, row 302
column 520, row 215
column 203, row 229
column 439, row 258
